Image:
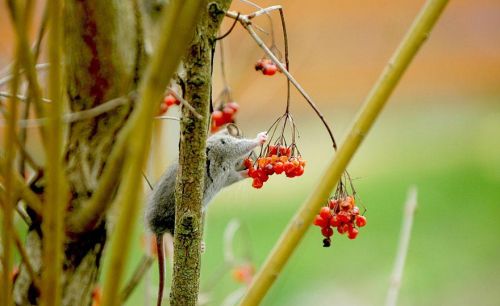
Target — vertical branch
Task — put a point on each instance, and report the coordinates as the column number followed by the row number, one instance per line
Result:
column 404, row 242
column 192, row 158
column 56, row 190
column 371, row 109
column 9, row 200
column 177, row 26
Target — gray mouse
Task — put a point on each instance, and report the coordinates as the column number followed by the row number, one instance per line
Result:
column 225, row 152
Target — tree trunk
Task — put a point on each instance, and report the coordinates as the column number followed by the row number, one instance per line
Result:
column 103, row 56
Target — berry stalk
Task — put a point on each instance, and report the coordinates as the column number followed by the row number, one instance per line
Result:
column 377, row 98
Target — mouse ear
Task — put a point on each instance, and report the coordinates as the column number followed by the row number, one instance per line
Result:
column 233, row 130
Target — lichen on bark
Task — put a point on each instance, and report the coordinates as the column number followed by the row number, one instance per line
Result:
column 192, row 157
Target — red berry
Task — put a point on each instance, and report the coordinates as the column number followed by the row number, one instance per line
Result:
column 257, row 183
column 227, row 114
column 290, row 173
column 278, row 167
column 319, row 221
column 252, row 172
column 269, row 69
column 342, row 228
column 284, row 151
column 333, row 203
column 325, row 213
column 260, row 64
column 235, row 106
column 248, row 163
column 355, row 210
column 334, row 221
column 352, row 233
column 346, row 205
column 344, row 217
column 217, row 118
column 299, row 171
column 272, row 150
column 269, row 169
column 360, row 221
column 171, row 100
column 163, row 108
column 262, row 175
column 327, row 231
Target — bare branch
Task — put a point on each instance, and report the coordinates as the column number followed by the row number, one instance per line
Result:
column 140, row 271
column 26, row 259
column 246, row 23
column 404, row 242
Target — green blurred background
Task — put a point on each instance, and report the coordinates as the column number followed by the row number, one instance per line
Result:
column 439, row 132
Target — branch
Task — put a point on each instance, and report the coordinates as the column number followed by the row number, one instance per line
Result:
column 21, row 189
column 26, row 259
column 371, row 109
column 404, row 242
column 178, row 22
column 26, row 59
column 56, row 193
column 246, row 23
column 136, row 278
column 192, row 157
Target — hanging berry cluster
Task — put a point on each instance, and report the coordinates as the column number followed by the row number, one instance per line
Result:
column 224, row 114
column 277, row 160
column 277, row 157
column 266, row 66
column 167, row 102
column 341, row 213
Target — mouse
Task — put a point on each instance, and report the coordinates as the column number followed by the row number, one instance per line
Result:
column 225, row 152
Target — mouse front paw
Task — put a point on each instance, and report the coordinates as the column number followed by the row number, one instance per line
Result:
column 262, row 137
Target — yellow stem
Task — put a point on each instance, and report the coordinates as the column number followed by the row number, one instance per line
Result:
column 56, row 190
column 177, row 28
column 372, row 107
column 9, row 200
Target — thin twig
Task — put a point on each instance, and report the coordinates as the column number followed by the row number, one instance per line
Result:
column 136, row 278
column 21, row 189
column 19, row 97
column 26, row 259
column 404, row 242
column 371, row 109
column 6, row 79
column 186, row 104
column 76, row 116
column 245, row 22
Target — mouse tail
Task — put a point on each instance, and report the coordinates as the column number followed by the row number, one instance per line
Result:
column 161, row 267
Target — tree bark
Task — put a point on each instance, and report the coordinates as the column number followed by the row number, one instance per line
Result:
column 103, row 56
column 192, row 157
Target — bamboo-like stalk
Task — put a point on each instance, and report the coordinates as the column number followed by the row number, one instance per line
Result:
column 27, row 59
column 9, row 200
column 404, row 242
column 56, row 190
column 372, row 107
column 177, row 28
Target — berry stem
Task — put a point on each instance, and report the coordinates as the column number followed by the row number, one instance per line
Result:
column 377, row 98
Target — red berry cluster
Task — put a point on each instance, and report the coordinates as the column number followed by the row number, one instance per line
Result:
column 278, row 160
column 341, row 214
column 266, row 66
column 168, row 101
column 224, row 115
